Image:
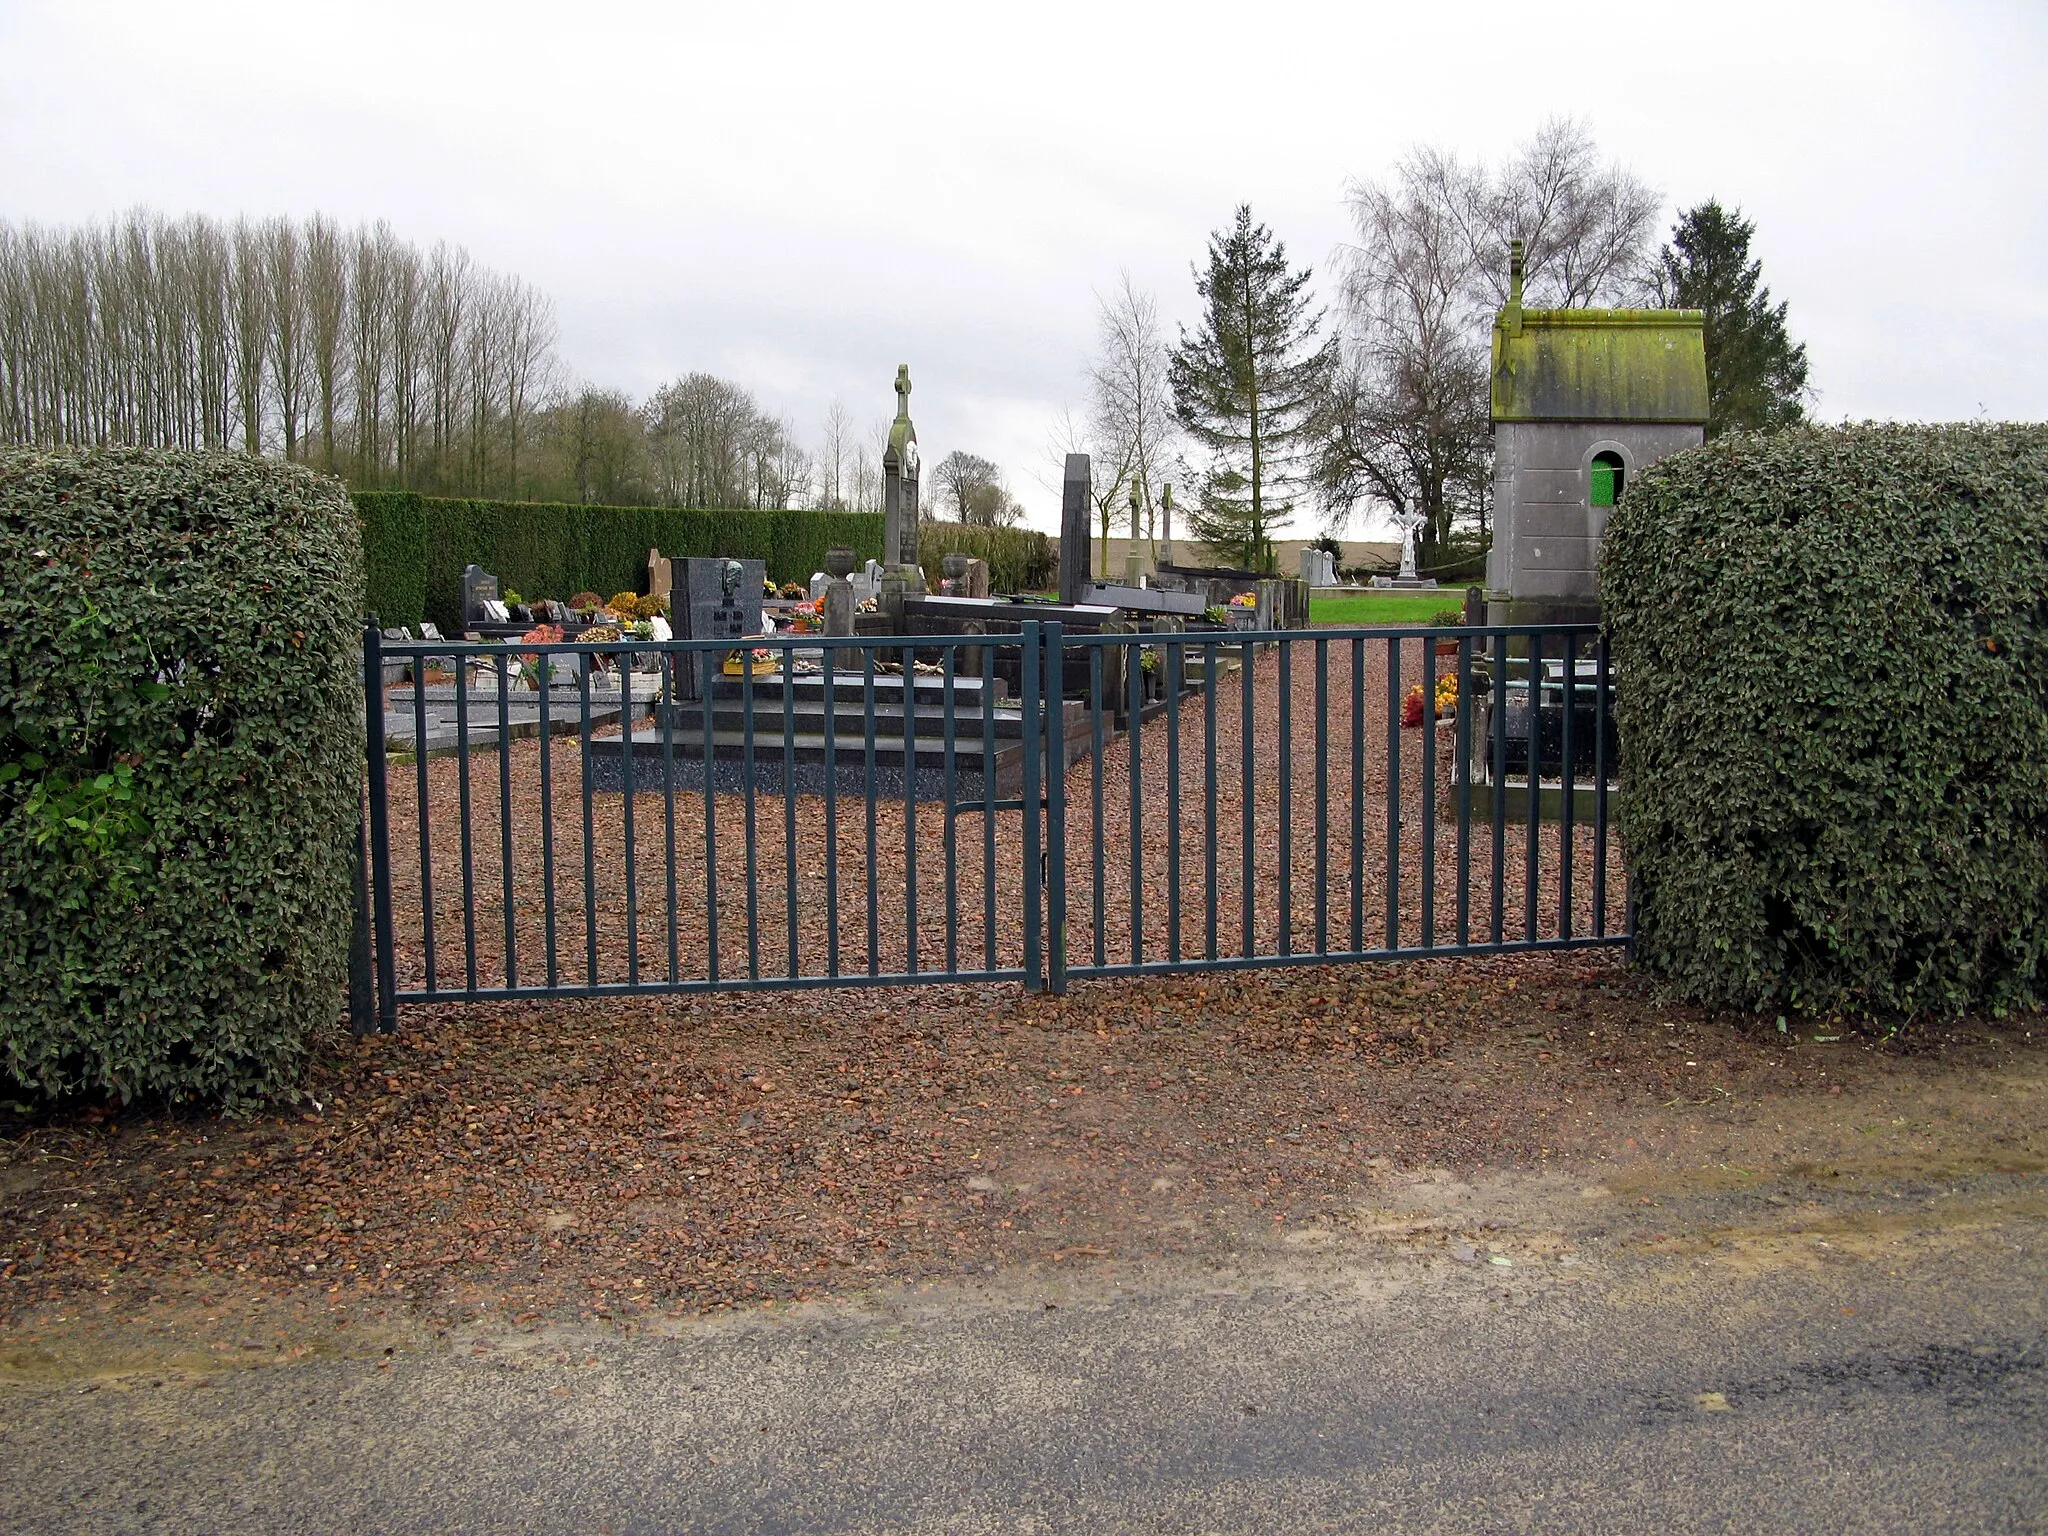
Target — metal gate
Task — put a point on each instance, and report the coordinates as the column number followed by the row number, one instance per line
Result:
column 586, row 820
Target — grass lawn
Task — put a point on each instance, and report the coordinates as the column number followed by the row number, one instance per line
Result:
column 1382, row 607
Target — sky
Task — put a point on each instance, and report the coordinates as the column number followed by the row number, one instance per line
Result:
column 801, row 196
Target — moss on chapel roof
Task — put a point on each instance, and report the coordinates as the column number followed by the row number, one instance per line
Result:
column 1599, row 365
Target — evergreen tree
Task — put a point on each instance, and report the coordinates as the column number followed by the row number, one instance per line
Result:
column 1756, row 373
column 1248, row 385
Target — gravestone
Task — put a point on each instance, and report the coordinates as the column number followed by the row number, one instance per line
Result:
column 1318, row 567
column 479, row 586
column 661, row 575
column 975, row 582
column 839, row 607
column 1074, row 497
column 839, row 590
column 721, row 601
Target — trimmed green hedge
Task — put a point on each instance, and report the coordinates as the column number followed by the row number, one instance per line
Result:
column 394, row 555
column 1832, row 654
column 417, row 546
column 181, row 757
column 1019, row 559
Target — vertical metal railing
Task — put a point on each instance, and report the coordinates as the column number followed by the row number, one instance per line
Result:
column 699, row 821
column 1454, row 823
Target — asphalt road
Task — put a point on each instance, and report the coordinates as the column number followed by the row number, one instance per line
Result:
column 1700, row 1362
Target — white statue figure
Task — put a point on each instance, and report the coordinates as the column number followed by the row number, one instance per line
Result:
column 1410, row 522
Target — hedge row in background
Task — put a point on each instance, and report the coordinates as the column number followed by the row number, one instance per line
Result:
column 1832, row 654
column 417, row 547
column 181, row 756
column 1019, row 559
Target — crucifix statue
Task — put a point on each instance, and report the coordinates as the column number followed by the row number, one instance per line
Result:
column 1410, row 522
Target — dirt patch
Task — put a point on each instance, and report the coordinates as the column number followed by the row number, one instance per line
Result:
column 620, row 1161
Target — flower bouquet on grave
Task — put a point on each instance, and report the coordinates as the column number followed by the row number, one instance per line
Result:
column 601, row 666
column 536, row 668
column 757, row 662
column 1414, row 708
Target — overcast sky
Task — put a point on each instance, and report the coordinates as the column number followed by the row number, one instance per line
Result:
column 801, row 196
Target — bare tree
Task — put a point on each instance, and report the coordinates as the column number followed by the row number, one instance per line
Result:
column 529, row 319
column 282, row 247
column 596, row 447
column 326, row 289
column 369, row 338
column 404, row 293
column 957, row 478
column 195, row 333
column 793, row 476
column 864, row 492
column 448, row 304
column 708, row 444
column 249, row 304
column 1586, row 227
column 834, row 461
column 1130, row 400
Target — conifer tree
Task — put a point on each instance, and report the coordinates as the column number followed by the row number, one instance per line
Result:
column 1248, row 385
column 1756, row 373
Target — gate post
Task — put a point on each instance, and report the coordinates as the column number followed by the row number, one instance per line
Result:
column 1031, row 809
column 380, row 826
column 362, row 990
column 1055, row 810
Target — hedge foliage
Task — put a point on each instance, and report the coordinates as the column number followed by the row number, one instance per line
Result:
column 1019, row 559
column 417, row 546
column 181, row 757
column 1832, row 672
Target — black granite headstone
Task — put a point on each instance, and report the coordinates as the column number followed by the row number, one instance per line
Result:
column 479, row 586
column 721, row 601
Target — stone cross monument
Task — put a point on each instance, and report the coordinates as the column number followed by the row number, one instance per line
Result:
column 902, row 576
column 899, row 481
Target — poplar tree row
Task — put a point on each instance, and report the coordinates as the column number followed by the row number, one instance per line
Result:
column 347, row 349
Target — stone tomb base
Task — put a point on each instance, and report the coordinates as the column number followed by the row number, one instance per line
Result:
column 909, row 760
